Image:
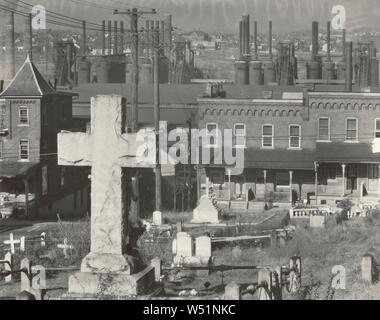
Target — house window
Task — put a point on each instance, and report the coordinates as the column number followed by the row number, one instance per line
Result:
column 377, row 128
column 267, row 140
column 282, row 179
column 212, row 134
column 351, row 129
column 24, row 150
column 23, row 113
column 240, row 134
column 295, row 136
column 324, row 129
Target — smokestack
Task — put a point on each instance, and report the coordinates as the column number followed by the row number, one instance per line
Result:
column 349, row 72
column 104, row 37
column 110, row 36
column 328, row 41
column 84, row 40
column 28, row 37
column 344, row 44
column 122, row 37
column 255, row 40
column 162, row 33
column 10, row 46
column 244, row 36
column 115, row 41
column 315, row 41
column 247, row 35
column 147, row 34
column 241, row 39
column 270, row 41
column 168, row 35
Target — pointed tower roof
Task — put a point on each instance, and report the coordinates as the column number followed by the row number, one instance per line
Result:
column 28, row 82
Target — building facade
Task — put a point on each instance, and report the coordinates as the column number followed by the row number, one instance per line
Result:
column 31, row 182
column 315, row 147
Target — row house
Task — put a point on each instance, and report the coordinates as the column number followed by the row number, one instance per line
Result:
column 314, row 147
column 32, row 113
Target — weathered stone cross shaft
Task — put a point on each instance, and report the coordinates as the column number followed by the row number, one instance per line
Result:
column 107, row 149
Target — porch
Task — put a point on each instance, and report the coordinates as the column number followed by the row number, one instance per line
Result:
column 17, row 189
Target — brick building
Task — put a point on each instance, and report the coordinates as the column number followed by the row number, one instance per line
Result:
column 32, row 112
column 320, row 146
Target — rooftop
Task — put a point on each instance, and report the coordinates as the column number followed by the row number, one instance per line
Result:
column 28, row 82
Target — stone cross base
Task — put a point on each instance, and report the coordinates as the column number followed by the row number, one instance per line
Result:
column 87, row 284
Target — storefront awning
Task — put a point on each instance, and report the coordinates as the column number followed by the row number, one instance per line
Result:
column 346, row 153
column 15, row 169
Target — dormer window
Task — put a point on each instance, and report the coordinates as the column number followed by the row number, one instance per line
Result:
column 23, row 113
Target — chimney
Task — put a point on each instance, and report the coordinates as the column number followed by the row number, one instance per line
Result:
column 104, row 37
column 122, row 37
column 10, row 47
column 84, row 40
column 270, row 41
column 28, row 37
column 344, row 44
column 240, row 40
column 349, row 66
column 162, row 33
column 247, row 35
column 115, row 41
column 244, row 36
column 255, row 40
column 168, row 35
column 147, row 35
column 110, row 36
column 315, row 41
column 328, row 41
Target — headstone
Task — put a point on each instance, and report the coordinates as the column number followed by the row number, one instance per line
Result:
column 265, row 284
column 317, row 221
column 295, row 274
column 368, row 268
column 66, row 248
column 156, row 263
column 26, row 283
column 8, row 265
column 179, row 227
column 108, row 149
column 184, row 244
column 203, row 247
column 25, row 295
column 205, row 212
column 157, row 218
column 232, row 291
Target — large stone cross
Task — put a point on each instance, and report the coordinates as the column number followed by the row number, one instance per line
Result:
column 107, row 149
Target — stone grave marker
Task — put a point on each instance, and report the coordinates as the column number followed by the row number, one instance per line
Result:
column 317, row 221
column 205, row 212
column 232, row 291
column 368, row 268
column 203, row 248
column 157, row 218
column 110, row 152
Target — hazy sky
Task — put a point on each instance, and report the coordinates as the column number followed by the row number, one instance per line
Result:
column 223, row 15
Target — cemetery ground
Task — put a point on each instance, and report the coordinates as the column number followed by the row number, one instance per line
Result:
column 320, row 249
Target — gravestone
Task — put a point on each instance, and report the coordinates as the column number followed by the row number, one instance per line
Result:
column 157, row 218
column 232, row 291
column 205, row 212
column 368, row 268
column 184, row 248
column 265, row 278
column 203, row 249
column 156, row 263
column 317, row 221
column 108, row 269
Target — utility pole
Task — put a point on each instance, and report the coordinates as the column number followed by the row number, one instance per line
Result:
column 134, row 14
column 156, row 64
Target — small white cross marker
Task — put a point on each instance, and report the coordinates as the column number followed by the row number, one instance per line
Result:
column 12, row 243
column 66, row 247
